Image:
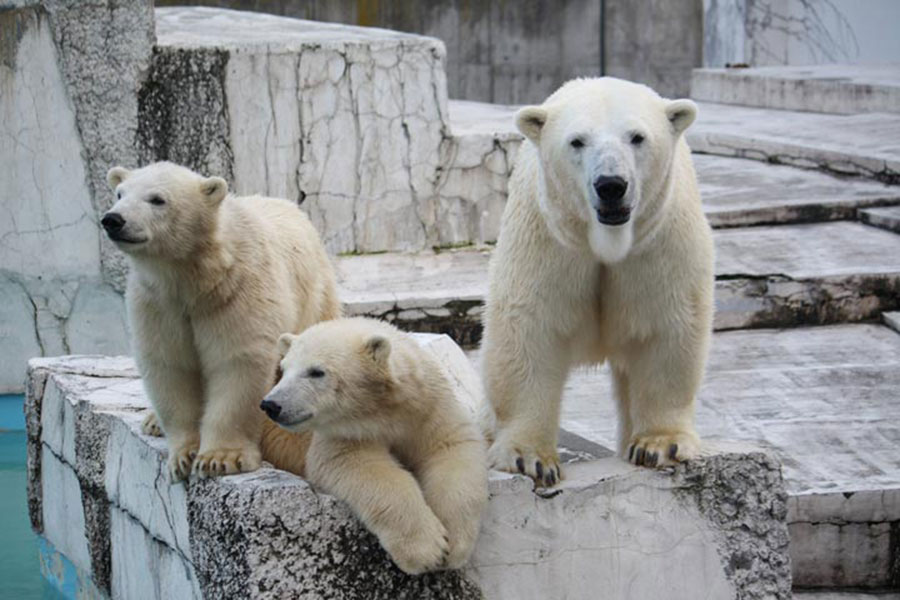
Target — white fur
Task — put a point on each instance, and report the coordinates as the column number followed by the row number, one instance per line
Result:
column 214, row 280
column 566, row 289
column 389, row 438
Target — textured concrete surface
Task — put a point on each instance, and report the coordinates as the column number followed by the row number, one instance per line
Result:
column 496, row 51
column 841, row 89
column 886, row 218
column 823, row 399
column 892, row 320
column 738, row 192
column 266, row 534
column 865, row 144
column 766, row 277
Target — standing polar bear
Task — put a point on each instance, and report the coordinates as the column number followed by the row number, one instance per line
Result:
column 391, row 439
column 214, row 280
column 604, row 254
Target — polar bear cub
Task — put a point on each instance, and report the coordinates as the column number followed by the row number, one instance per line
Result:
column 389, row 437
column 214, row 280
column 604, row 254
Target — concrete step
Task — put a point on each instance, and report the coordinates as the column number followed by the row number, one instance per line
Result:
column 832, row 595
column 839, row 89
column 115, row 527
column 780, row 276
column 886, row 217
column 865, row 144
column 825, row 400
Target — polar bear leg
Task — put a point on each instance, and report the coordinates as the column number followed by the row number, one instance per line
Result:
column 661, row 380
column 525, row 372
column 150, row 425
column 385, row 496
column 232, row 422
column 454, row 483
column 178, row 403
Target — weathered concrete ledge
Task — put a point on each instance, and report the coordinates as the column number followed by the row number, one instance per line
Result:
column 839, row 89
column 99, row 495
column 781, row 276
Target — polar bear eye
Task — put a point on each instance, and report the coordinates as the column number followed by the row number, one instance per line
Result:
column 637, row 139
column 119, row 195
column 156, row 201
column 315, row 372
column 577, row 143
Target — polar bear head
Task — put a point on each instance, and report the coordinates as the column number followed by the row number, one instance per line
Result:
column 336, row 379
column 162, row 210
column 605, row 148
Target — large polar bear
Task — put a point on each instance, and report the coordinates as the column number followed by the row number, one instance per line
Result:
column 604, row 254
column 214, row 280
column 390, row 438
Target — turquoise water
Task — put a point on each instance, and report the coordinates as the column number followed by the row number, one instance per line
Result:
column 20, row 573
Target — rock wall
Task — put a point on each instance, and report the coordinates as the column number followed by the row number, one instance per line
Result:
column 714, row 527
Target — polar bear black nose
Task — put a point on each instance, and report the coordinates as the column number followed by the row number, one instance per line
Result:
column 271, row 408
column 610, row 189
column 112, row 222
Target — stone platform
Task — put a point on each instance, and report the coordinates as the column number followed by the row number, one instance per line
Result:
column 824, row 399
column 99, row 494
column 839, row 89
column 765, row 277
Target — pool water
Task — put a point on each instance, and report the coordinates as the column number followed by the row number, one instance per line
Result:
column 20, row 573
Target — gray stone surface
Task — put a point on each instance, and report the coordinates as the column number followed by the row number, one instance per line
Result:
column 268, row 534
column 805, row 274
column 865, row 144
column 738, row 193
column 496, row 51
column 655, row 42
column 886, row 217
column 823, row 399
column 841, row 89
column 892, row 320
column 766, row 276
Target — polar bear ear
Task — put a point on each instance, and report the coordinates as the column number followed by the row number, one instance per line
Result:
column 214, row 188
column 530, row 120
column 116, row 175
column 378, row 348
column 681, row 113
column 284, row 343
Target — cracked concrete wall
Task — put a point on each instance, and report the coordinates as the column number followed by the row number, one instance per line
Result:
column 98, row 492
column 68, row 111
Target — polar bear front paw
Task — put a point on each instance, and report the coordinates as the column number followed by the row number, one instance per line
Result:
column 181, row 458
column 657, row 449
column 150, row 425
column 424, row 547
column 539, row 463
column 226, row 461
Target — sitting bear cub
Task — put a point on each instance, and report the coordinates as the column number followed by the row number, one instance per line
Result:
column 214, row 280
column 389, row 437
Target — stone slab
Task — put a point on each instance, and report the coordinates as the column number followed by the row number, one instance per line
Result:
column 840, row 89
column 865, row 144
column 892, row 320
column 886, row 217
column 266, row 534
column 823, row 399
column 766, row 276
column 738, row 193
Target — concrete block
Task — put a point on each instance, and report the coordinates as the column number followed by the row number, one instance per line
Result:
column 268, row 533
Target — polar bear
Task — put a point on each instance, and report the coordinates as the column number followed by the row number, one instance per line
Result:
column 214, row 280
column 389, row 437
column 604, row 254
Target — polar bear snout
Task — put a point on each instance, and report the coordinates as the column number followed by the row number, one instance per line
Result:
column 113, row 223
column 610, row 189
column 272, row 409
column 612, row 208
